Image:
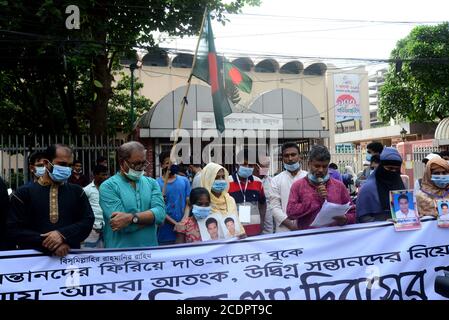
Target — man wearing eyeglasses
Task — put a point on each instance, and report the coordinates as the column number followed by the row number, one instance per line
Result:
column 51, row 215
column 132, row 203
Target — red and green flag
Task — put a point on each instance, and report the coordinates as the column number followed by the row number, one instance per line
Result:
column 237, row 77
column 209, row 68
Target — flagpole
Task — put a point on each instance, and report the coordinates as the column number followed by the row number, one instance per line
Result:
column 183, row 104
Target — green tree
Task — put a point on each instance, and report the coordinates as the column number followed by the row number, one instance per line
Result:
column 417, row 84
column 53, row 77
column 119, row 104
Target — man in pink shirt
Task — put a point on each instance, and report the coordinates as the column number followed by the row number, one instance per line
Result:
column 308, row 194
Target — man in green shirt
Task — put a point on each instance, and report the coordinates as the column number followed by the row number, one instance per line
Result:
column 132, row 203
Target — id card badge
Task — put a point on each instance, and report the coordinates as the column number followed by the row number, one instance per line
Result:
column 245, row 214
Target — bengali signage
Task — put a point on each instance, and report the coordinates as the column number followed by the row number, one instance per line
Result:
column 347, row 97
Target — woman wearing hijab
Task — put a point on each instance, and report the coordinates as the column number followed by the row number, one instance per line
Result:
column 434, row 187
column 215, row 179
column 373, row 202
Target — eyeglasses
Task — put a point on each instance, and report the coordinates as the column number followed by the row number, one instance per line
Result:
column 138, row 166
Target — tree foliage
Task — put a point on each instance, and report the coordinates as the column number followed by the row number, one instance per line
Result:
column 417, row 84
column 58, row 80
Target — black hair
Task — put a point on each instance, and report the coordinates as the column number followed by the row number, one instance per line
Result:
column 163, row 155
column 228, row 220
column 375, row 158
column 100, row 169
column 375, row 146
column 403, row 196
column 444, row 153
column 35, row 156
column 50, row 152
column 196, row 193
column 77, row 161
column 288, row 145
column 319, row 153
column 210, row 221
column 444, row 204
column 333, row 166
column 101, row 159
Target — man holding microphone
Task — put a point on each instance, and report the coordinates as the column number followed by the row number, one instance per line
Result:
column 308, row 194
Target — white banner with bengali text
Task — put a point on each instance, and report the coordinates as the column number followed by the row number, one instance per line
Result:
column 359, row 262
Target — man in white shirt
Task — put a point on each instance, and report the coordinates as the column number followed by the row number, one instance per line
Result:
column 281, row 185
column 262, row 172
column 196, row 171
column 95, row 238
column 404, row 211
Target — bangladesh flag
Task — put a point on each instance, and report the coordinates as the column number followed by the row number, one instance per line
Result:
column 238, row 77
column 209, row 68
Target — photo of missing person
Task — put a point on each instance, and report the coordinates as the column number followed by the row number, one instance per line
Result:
column 211, row 228
column 403, row 210
column 443, row 212
column 406, row 208
column 231, row 226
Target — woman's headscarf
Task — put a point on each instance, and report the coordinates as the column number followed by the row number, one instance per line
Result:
column 225, row 203
column 387, row 181
column 374, row 197
column 427, row 184
column 429, row 192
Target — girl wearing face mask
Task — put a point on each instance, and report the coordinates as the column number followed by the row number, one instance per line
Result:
column 198, row 208
column 215, row 179
column 435, row 186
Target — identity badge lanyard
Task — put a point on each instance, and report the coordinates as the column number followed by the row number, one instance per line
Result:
column 243, row 191
column 244, row 210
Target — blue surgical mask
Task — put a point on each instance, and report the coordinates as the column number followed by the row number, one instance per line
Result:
column 368, row 157
column 200, row 212
column 40, row 171
column 134, row 175
column 291, row 167
column 245, row 172
column 312, row 178
column 219, row 185
column 441, row 181
column 60, row 173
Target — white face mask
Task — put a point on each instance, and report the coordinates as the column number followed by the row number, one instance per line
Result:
column 134, row 175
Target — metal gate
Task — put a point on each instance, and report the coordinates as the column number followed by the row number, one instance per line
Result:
column 15, row 151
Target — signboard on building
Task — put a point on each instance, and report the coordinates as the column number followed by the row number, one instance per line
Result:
column 347, row 97
column 252, row 121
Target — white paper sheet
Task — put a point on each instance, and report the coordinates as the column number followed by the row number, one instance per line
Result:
column 328, row 211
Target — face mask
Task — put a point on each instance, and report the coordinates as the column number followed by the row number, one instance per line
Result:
column 60, row 173
column 219, row 185
column 263, row 171
column 314, row 179
column 200, row 212
column 441, row 181
column 291, row 167
column 134, row 175
column 245, row 172
column 368, row 157
column 78, row 171
column 40, row 171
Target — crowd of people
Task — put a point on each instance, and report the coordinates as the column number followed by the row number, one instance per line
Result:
column 60, row 208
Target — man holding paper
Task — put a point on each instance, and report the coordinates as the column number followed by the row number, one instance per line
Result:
column 318, row 193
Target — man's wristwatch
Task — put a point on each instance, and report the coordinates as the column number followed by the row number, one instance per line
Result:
column 135, row 219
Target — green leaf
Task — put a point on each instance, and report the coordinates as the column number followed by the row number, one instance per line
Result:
column 98, row 84
column 95, row 96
